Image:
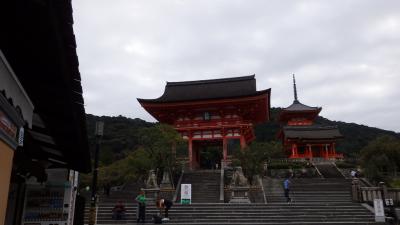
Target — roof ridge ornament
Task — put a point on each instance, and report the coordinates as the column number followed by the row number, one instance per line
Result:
column 295, row 90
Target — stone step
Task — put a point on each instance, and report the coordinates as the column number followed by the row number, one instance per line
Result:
column 288, row 216
column 261, row 219
column 205, row 185
column 305, row 196
column 295, row 199
column 219, row 213
column 269, row 207
column 253, row 223
column 246, row 205
column 265, row 218
column 314, row 210
column 242, row 215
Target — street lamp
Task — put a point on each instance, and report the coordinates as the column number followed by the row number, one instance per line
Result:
column 93, row 199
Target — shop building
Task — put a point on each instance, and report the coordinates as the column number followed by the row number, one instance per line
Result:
column 43, row 121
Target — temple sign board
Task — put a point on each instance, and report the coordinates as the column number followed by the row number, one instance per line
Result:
column 186, row 193
column 379, row 210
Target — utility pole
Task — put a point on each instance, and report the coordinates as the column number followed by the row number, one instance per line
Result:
column 93, row 198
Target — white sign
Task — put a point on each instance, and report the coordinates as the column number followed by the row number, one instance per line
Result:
column 379, row 210
column 186, row 193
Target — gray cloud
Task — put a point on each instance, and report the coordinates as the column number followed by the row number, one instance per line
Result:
column 344, row 53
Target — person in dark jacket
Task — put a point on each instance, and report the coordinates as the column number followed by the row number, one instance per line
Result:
column 286, row 187
column 164, row 204
column 119, row 211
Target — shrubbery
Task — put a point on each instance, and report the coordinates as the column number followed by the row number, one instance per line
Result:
column 380, row 159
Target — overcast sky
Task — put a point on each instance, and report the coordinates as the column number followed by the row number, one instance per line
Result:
column 345, row 54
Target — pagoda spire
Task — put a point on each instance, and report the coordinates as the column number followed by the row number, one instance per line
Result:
column 295, row 90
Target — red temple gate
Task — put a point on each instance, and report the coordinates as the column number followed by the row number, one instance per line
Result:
column 210, row 112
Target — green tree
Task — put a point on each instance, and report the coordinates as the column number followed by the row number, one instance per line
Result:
column 132, row 168
column 380, row 159
column 160, row 142
column 155, row 150
column 253, row 157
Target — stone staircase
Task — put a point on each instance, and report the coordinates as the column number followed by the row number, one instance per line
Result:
column 205, row 185
column 316, row 201
column 274, row 213
column 322, row 197
column 328, row 170
column 106, row 203
column 307, row 190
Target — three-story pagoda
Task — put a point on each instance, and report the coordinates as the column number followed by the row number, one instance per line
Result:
column 302, row 137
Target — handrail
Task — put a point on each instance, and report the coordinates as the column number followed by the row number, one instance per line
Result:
column 370, row 188
column 262, row 188
column 316, row 169
column 365, row 181
column 178, row 186
column 394, row 189
column 334, row 164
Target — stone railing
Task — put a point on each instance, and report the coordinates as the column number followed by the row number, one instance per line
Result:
column 394, row 193
column 368, row 194
column 285, row 160
column 222, row 183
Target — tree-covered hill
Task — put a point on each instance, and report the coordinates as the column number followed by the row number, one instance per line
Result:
column 121, row 134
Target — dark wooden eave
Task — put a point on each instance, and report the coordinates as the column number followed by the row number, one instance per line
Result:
column 234, row 87
column 216, row 94
column 299, row 110
column 311, row 132
column 39, row 43
column 299, row 107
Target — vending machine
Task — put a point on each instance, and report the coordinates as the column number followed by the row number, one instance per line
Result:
column 51, row 203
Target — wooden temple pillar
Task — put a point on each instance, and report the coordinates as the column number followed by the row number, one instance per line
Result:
column 224, row 149
column 329, row 151
column 294, row 154
column 309, row 153
column 243, row 143
column 190, row 149
column 326, row 155
column 194, row 154
column 333, row 150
